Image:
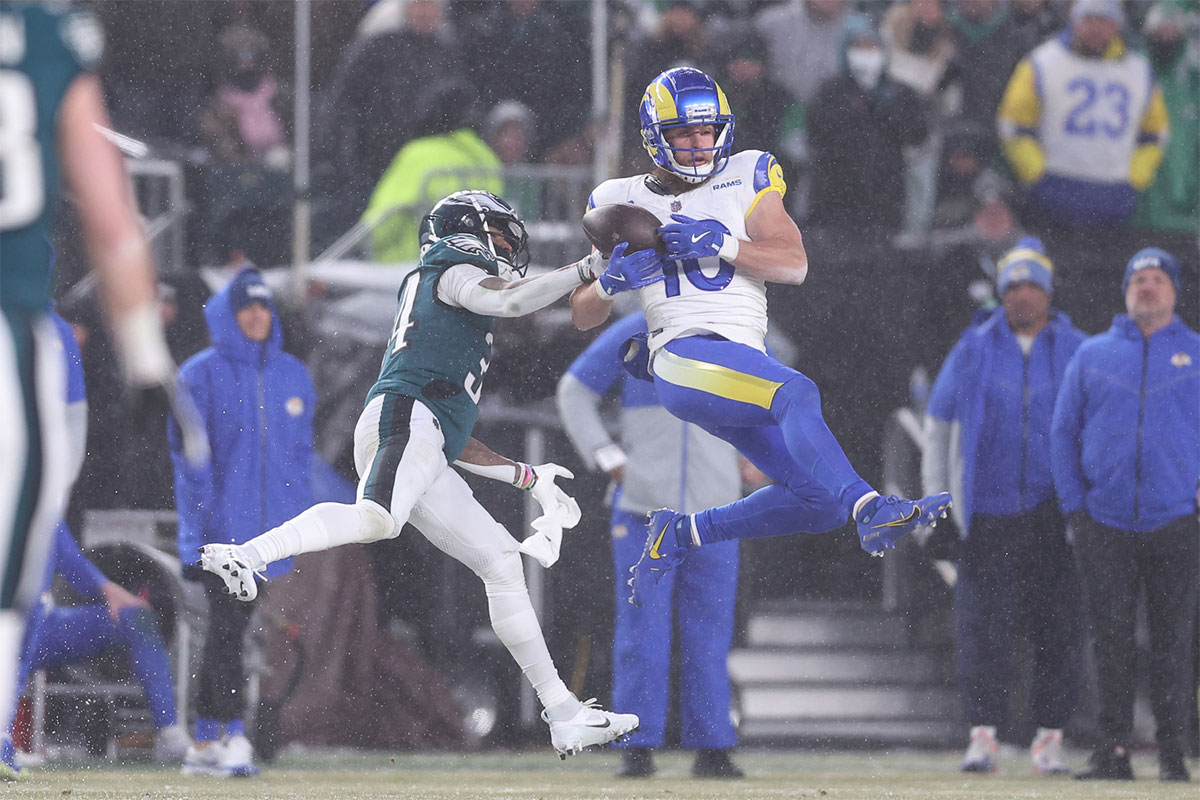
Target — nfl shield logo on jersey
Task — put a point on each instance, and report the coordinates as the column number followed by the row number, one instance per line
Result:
column 676, row 205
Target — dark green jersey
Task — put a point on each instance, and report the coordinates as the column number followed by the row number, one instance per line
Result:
column 43, row 48
column 437, row 353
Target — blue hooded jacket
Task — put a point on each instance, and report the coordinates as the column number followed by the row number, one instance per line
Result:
column 257, row 402
column 1126, row 431
column 1003, row 403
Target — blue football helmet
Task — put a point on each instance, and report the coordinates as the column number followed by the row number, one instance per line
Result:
column 478, row 213
column 685, row 96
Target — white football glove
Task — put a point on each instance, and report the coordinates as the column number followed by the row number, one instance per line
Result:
column 550, row 496
column 545, row 542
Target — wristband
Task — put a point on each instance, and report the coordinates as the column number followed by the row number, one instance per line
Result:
column 601, row 293
column 584, row 266
column 609, row 457
column 730, row 246
column 526, row 477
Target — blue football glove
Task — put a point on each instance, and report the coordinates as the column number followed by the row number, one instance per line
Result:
column 697, row 238
column 627, row 272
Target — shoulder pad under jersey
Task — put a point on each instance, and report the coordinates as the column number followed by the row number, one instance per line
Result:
column 460, row 248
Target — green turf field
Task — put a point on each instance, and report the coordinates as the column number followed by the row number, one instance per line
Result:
column 539, row 775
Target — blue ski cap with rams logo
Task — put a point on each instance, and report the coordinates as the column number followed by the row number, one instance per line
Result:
column 686, row 96
column 1152, row 258
column 1025, row 263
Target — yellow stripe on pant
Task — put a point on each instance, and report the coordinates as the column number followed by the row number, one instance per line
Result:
column 715, row 379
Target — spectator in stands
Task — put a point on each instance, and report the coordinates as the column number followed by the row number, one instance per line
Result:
column 1172, row 201
column 803, row 50
column 742, row 73
column 987, row 440
column 451, row 157
column 660, row 461
column 370, row 115
column 920, row 45
column 803, row 39
column 858, row 127
column 1037, row 20
column 245, row 120
column 1083, row 122
column 987, row 46
column 257, row 403
column 535, row 52
column 510, row 129
column 1131, row 494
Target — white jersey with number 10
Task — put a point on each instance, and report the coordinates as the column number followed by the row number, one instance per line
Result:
column 705, row 295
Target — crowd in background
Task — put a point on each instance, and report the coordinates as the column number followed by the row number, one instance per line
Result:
column 906, row 187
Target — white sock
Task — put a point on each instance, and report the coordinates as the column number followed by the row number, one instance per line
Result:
column 324, row 526
column 12, row 630
column 862, row 501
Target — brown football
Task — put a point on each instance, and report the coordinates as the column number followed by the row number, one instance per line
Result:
column 609, row 224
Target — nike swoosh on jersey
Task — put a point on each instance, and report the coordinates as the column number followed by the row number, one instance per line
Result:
column 654, row 547
column 916, row 511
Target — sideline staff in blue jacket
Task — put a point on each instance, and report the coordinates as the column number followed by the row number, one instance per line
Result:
column 988, row 432
column 257, row 403
column 1126, row 454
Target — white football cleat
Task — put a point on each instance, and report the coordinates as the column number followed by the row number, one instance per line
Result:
column 171, row 744
column 237, row 757
column 231, row 563
column 983, row 750
column 591, row 727
column 1047, row 752
column 204, row 760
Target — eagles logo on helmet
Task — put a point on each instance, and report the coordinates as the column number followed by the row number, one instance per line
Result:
column 686, row 96
column 478, row 213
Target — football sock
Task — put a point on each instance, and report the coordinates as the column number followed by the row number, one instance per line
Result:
column 321, row 527
column 207, row 730
column 862, row 502
column 11, row 632
column 235, row 727
column 516, row 625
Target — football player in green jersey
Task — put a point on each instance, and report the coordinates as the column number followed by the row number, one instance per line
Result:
column 52, row 123
column 418, row 420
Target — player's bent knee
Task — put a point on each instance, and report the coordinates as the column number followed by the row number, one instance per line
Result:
column 799, row 393
column 376, row 522
column 503, row 574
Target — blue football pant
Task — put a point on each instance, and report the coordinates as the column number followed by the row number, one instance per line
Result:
column 772, row 414
column 695, row 602
column 67, row 635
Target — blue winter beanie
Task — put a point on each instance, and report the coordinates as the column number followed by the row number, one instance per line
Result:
column 1025, row 263
column 247, row 288
column 1152, row 257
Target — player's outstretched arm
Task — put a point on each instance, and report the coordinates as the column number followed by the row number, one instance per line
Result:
column 117, row 249
column 497, row 297
column 479, row 459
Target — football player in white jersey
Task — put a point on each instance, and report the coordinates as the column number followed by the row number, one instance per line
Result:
column 727, row 234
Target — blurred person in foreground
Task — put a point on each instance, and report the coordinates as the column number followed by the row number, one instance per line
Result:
column 418, row 420
column 659, row 461
column 987, row 439
column 1083, row 122
column 257, row 404
column 55, row 111
column 1126, row 452
column 728, row 235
